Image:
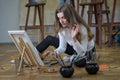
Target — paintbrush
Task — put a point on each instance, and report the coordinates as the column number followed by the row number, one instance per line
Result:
column 72, row 61
column 61, row 60
column 58, row 58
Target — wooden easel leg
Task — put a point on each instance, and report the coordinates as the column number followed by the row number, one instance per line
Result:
column 21, row 60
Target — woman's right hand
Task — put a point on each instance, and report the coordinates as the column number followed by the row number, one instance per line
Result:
column 47, row 53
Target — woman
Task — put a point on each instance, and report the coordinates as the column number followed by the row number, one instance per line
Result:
column 74, row 35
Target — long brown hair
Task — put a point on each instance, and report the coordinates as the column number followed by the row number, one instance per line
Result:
column 72, row 17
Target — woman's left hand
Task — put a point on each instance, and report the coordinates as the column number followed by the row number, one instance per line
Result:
column 75, row 30
column 55, row 54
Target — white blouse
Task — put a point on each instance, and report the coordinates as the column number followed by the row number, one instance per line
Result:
column 81, row 48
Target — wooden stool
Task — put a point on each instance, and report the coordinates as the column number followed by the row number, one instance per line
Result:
column 95, row 7
column 40, row 8
column 113, row 24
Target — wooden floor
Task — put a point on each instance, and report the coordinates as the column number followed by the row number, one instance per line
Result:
column 109, row 56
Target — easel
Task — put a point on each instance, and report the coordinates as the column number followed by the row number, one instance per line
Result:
column 40, row 8
column 24, row 55
column 32, row 62
column 95, row 8
column 113, row 24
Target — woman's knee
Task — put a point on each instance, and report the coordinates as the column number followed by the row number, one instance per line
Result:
column 50, row 38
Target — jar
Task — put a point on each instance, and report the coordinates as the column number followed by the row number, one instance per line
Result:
column 92, row 68
column 66, row 71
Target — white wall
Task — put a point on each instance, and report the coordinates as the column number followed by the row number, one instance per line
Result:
column 9, row 18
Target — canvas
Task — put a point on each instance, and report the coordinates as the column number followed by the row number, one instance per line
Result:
column 26, row 47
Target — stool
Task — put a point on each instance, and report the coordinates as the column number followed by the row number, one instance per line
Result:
column 95, row 7
column 113, row 24
column 40, row 8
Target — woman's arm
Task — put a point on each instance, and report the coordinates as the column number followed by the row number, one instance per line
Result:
column 62, row 44
column 80, row 47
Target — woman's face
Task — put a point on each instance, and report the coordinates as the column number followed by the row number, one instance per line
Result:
column 63, row 21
